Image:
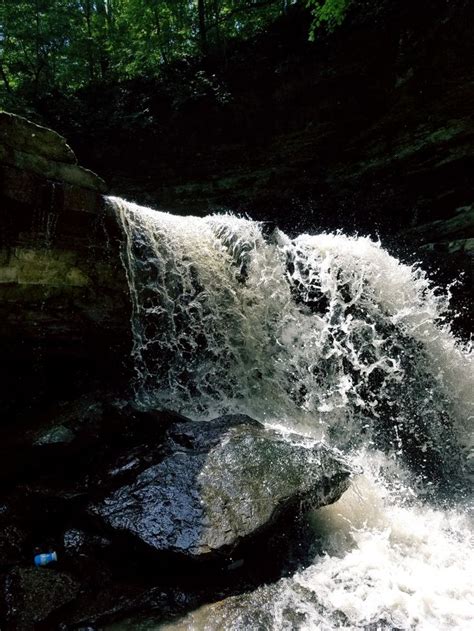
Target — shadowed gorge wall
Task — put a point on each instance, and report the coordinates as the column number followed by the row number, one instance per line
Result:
column 63, row 298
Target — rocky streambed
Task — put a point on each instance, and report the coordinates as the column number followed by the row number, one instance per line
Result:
column 150, row 512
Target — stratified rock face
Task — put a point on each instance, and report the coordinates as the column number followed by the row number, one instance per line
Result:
column 452, row 235
column 35, row 149
column 63, row 293
column 23, row 135
column 222, row 482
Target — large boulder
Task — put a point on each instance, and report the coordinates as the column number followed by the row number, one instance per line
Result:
column 219, row 484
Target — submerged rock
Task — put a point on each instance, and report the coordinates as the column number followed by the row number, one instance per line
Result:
column 219, row 484
column 263, row 608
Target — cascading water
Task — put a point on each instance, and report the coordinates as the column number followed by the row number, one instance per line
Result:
column 327, row 335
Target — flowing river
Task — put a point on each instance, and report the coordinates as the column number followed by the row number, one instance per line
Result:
column 328, row 336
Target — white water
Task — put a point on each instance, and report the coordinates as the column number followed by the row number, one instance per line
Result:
column 327, row 335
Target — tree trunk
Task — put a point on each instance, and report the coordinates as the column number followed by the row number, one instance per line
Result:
column 103, row 35
column 202, row 26
column 86, row 6
column 159, row 35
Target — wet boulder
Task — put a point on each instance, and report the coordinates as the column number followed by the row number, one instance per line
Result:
column 217, row 485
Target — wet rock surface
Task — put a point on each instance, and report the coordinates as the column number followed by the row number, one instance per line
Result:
column 222, row 482
column 379, row 139
column 149, row 512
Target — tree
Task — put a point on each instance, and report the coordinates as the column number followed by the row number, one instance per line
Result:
column 63, row 45
column 329, row 13
column 202, row 25
column 35, row 37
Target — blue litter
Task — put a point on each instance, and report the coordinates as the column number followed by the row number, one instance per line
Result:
column 45, row 559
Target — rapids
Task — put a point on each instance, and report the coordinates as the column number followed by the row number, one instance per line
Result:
column 326, row 335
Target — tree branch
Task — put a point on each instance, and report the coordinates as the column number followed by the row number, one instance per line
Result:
column 260, row 4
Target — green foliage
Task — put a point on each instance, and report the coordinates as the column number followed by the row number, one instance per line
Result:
column 328, row 13
column 60, row 46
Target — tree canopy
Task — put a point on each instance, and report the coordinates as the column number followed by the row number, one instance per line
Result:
column 63, row 45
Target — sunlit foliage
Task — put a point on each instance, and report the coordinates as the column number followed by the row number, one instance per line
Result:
column 327, row 13
column 48, row 45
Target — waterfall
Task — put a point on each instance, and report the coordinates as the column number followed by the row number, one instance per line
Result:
column 326, row 335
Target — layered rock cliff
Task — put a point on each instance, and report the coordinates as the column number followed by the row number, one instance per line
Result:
column 63, row 295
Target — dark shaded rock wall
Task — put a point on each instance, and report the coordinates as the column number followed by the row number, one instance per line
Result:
column 63, row 294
